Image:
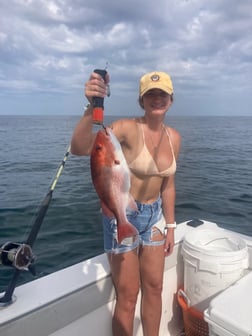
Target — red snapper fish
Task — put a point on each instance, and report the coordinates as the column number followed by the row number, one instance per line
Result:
column 111, row 179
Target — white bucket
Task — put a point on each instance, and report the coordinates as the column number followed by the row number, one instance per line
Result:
column 213, row 260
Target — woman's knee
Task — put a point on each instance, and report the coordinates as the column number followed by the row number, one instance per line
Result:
column 127, row 298
column 153, row 288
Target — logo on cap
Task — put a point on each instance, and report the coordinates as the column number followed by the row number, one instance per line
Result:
column 155, row 78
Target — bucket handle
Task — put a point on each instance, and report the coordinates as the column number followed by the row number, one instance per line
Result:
column 213, row 240
column 185, row 297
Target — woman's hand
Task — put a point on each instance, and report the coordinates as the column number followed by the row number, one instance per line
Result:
column 96, row 86
column 169, row 242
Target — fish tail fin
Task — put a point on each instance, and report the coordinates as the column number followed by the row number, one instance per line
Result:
column 126, row 233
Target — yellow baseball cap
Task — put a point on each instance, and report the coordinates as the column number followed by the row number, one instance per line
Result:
column 155, row 80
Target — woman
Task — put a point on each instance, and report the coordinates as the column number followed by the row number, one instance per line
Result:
column 151, row 149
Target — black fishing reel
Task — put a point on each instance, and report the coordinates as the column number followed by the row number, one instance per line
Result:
column 17, row 255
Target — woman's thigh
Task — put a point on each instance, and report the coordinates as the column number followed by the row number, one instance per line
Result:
column 125, row 272
column 152, row 260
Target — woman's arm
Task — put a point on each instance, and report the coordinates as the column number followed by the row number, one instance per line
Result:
column 168, row 194
column 82, row 138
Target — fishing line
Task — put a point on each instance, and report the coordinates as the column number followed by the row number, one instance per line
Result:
column 19, row 255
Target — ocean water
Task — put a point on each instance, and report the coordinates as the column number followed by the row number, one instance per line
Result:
column 213, row 182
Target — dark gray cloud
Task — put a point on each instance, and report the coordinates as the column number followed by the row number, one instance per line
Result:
column 49, row 47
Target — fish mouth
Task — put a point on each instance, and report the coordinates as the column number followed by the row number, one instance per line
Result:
column 105, row 129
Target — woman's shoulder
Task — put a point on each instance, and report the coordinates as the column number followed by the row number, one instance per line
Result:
column 123, row 128
column 175, row 138
column 125, row 122
column 173, row 132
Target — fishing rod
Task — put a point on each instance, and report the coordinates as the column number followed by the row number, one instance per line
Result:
column 20, row 255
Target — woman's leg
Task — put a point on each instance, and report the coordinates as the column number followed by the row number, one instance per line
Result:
column 152, row 268
column 126, row 279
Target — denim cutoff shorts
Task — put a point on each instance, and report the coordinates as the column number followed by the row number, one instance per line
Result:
column 144, row 219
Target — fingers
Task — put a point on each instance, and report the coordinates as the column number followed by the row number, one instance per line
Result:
column 168, row 251
column 169, row 243
column 168, row 247
column 96, row 86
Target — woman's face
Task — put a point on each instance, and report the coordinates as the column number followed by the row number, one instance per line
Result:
column 156, row 101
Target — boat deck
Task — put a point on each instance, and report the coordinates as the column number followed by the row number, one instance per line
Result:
column 79, row 300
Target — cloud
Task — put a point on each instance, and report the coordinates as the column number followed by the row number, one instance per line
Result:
column 49, row 47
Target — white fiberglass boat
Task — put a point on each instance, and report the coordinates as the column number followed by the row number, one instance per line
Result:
column 79, row 300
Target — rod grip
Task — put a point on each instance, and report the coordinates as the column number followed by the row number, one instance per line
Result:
column 98, row 102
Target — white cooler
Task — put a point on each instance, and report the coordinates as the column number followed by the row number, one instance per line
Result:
column 230, row 313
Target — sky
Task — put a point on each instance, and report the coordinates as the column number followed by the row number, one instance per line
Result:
column 48, row 48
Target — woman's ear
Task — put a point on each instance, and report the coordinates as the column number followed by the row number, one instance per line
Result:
column 140, row 101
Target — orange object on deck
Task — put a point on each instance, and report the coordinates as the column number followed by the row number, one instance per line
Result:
column 194, row 322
